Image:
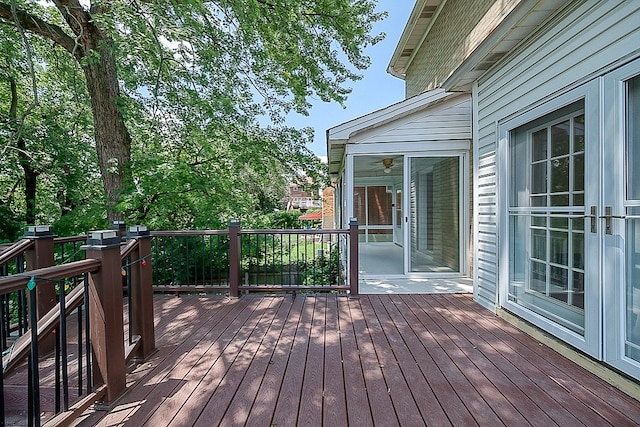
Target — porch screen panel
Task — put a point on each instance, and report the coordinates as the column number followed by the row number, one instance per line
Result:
column 379, row 205
column 360, row 210
column 379, row 213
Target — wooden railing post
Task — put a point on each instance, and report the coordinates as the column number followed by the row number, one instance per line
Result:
column 105, row 311
column 120, row 228
column 41, row 255
column 353, row 257
column 142, row 292
column 234, row 258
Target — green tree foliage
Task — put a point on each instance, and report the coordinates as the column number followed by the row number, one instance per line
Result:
column 45, row 131
column 285, row 219
column 179, row 93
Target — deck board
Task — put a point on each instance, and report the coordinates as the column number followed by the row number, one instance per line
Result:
column 334, row 402
column 398, row 388
column 378, row 360
column 356, row 401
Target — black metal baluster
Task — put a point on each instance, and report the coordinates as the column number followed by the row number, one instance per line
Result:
column 211, row 277
column 62, row 333
column 186, row 263
column 21, row 300
column 2, row 348
column 202, row 251
column 264, row 257
column 281, row 261
column 4, row 316
column 57, row 398
column 87, row 333
column 34, row 378
column 129, row 297
column 248, row 237
column 79, row 315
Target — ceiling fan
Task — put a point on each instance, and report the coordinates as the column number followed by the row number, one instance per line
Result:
column 388, row 164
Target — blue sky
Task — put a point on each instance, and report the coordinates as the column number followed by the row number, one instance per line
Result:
column 376, row 90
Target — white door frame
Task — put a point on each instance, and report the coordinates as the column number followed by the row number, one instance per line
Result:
column 463, row 210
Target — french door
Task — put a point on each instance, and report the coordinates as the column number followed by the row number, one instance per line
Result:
column 553, row 224
column 573, row 220
column 621, row 216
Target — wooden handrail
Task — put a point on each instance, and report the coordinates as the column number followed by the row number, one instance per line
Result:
column 168, row 233
column 126, row 250
column 15, row 250
column 22, row 346
column 310, row 231
column 19, row 281
column 70, row 239
column 47, row 323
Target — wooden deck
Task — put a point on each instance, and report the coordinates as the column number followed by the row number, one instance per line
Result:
column 381, row 360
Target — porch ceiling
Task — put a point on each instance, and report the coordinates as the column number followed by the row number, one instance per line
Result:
column 373, row 166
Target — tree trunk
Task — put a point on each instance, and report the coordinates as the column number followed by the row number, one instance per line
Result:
column 30, row 174
column 92, row 48
column 113, row 142
column 30, row 181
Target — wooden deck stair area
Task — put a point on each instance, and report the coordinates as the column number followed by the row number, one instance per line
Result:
column 384, row 360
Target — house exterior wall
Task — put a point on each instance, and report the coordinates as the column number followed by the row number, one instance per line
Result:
column 584, row 41
column 458, row 30
column 447, row 121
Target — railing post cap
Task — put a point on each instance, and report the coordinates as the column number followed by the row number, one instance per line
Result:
column 234, row 223
column 353, row 221
column 138, row 231
column 102, row 239
column 120, row 226
column 38, row 231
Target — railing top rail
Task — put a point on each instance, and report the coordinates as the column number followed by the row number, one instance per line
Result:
column 168, row 233
column 129, row 247
column 70, row 239
column 18, row 281
column 295, row 231
column 15, row 250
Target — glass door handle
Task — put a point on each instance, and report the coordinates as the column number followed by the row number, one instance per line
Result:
column 608, row 216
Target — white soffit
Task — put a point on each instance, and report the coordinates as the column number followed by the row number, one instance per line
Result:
column 517, row 26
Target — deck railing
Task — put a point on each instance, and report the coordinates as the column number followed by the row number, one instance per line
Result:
column 237, row 260
column 85, row 355
column 62, row 293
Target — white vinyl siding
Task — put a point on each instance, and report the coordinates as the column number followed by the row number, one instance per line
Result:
column 586, row 40
column 446, row 121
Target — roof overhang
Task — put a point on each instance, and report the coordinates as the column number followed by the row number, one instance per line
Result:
column 517, row 25
column 338, row 136
column 422, row 17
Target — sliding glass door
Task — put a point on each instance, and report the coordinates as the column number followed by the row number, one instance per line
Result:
column 434, row 202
